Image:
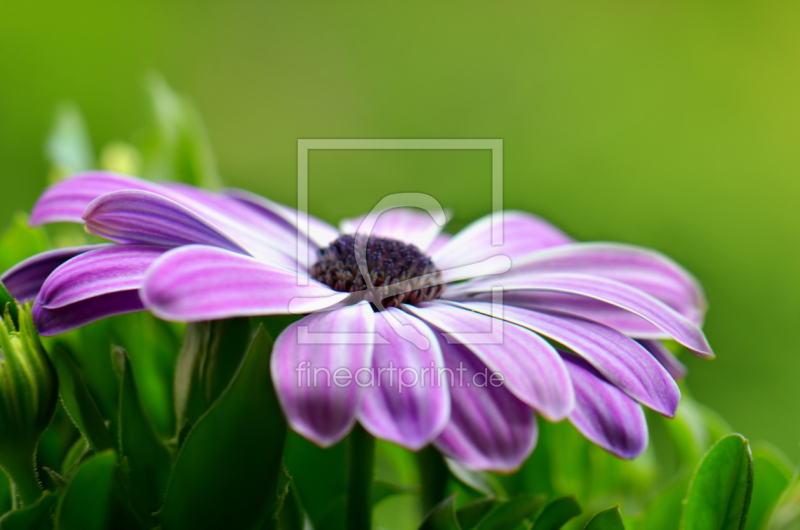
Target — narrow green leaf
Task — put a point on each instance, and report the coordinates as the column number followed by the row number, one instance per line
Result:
column 287, row 511
column 79, row 403
column 557, row 513
column 84, row 505
column 37, row 516
column 786, row 514
column 773, row 473
column 442, row 516
column 473, row 513
column 511, row 514
column 147, row 455
column 74, row 456
column 382, row 490
column 720, row 491
column 7, row 301
column 238, row 441
column 609, row 519
column 480, row 482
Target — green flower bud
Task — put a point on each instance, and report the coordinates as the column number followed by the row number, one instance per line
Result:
column 28, row 397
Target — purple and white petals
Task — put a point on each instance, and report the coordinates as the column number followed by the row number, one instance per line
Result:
column 25, row 279
column 667, row 359
column 94, row 285
column 603, row 413
column 134, row 216
column 489, row 428
column 406, row 396
column 314, row 362
column 621, row 295
column 194, row 283
column 641, row 268
column 530, row 366
column 620, row 359
column 409, row 225
column 522, row 234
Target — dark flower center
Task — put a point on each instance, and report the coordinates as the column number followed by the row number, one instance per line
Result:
column 399, row 273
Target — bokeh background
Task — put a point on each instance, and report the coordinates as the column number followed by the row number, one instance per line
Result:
column 669, row 124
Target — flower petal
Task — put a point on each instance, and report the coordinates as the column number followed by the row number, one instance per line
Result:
column 489, row 428
column 25, row 279
column 532, row 369
column 522, row 234
column 408, row 402
column 195, row 283
column 135, row 216
column 56, row 321
column 320, row 233
column 667, row 359
column 603, row 413
column 621, row 359
column 409, row 225
column 644, row 269
column 97, row 272
column 621, row 295
column 310, row 374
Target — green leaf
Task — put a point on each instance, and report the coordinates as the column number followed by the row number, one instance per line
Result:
column 382, row 490
column 287, row 512
column 79, row 403
column 238, row 442
column 786, row 514
column 84, row 505
column 773, row 473
column 609, row 519
column 20, row 241
column 7, row 301
column 146, row 454
column 510, row 514
column 34, row 517
column 68, row 147
column 442, row 516
column 664, row 512
column 74, row 456
column 473, row 513
column 179, row 146
column 720, row 491
column 557, row 513
column 480, row 482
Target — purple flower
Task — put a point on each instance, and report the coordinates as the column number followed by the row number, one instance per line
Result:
column 440, row 364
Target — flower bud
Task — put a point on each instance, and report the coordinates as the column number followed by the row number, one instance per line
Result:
column 28, row 397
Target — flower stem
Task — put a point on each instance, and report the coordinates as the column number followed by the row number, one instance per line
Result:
column 22, row 474
column 360, row 464
column 433, row 477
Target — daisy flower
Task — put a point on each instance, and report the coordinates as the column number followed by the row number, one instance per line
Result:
column 419, row 336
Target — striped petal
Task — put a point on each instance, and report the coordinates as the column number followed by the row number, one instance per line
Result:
column 94, row 285
column 25, row 279
column 522, row 234
column 621, row 295
column 195, row 283
column 667, row 359
column 532, row 369
column 603, row 413
column 314, row 362
column 489, row 428
column 408, row 402
column 409, row 225
column 620, row 359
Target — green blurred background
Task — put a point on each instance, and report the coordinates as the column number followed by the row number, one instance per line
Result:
column 668, row 124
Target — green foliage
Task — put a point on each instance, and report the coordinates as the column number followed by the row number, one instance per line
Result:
column 442, row 516
column 84, row 504
column 608, row 519
column 720, row 491
column 557, row 513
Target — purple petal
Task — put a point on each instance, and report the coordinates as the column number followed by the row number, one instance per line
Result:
column 56, row 321
column 25, row 279
column 319, row 232
column 195, row 283
column 621, row 359
column 134, row 216
column 489, row 428
column 644, row 269
column 97, row 272
column 310, row 373
column 409, row 225
column 654, row 311
column 532, row 369
column 408, row 402
column 522, row 234
column 603, row 413
column 667, row 359
column 440, row 241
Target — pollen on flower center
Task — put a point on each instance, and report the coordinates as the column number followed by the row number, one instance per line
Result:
column 400, row 273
